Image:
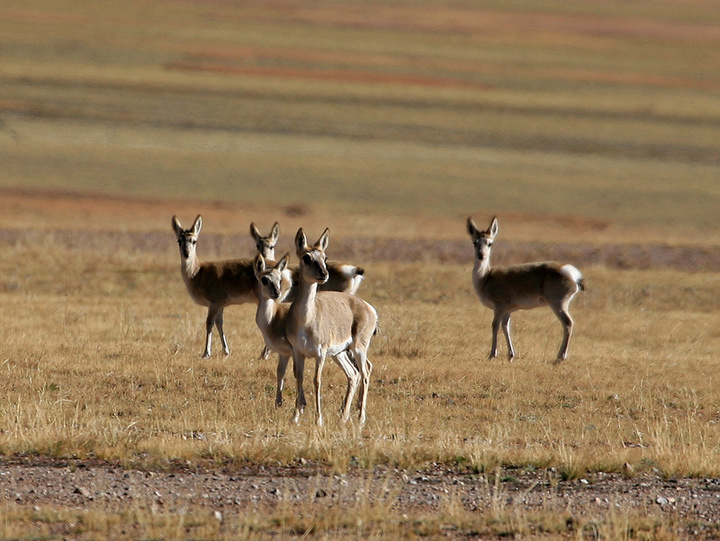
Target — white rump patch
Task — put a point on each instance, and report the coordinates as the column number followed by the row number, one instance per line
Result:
column 572, row 272
column 356, row 284
column 347, row 270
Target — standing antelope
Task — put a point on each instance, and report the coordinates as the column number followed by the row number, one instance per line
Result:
column 216, row 284
column 518, row 287
column 328, row 323
column 271, row 318
column 341, row 276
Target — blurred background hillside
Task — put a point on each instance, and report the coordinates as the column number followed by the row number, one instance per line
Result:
column 608, row 112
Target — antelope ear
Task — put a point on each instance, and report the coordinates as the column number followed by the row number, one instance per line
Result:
column 493, row 229
column 300, row 242
column 254, row 232
column 197, row 226
column 176, row 226
column 282, row 264
column 322, row 242
column 259, row 265
column 275, row 233
column 471, row 227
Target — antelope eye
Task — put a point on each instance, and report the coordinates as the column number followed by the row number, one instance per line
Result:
column 265, row 281
column 194, row 242
column 307, row 259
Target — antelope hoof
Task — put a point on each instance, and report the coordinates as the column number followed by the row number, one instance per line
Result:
column 278, row 402
column 319, row 421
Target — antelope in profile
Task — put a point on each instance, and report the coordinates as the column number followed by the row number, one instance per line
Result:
column 328, row 323
column 519, row 287
column 215, row 284
column 271, row 317
column 341, row 276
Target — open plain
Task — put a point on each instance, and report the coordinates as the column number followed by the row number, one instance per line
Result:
column 590, row 130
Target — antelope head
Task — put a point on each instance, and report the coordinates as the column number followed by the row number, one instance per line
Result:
column 187, row 238
column 313, row 261
column 271, row 278
column 265, row 245
column 482, row 240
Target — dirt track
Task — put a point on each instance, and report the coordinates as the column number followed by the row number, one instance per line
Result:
column 77, row 484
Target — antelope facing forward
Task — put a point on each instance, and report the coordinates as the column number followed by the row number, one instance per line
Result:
column 518, row 287
column 341, row 276
column 216, row 284
column 328, row 323
column 271, row 318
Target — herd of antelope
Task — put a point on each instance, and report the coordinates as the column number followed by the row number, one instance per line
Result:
column 312, row 310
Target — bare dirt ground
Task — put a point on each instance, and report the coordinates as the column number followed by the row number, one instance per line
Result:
column 694, row 503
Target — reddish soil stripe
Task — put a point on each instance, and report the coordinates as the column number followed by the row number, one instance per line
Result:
column 354, row 76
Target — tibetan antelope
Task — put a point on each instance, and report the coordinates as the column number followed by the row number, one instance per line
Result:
column 271, row 317
column 265, row 245
column 341, row 276
column 215, row 284
column 507, row 289
column 322, row 323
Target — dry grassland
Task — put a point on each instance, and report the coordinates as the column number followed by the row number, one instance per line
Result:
column 100, row 358
column 101, row 349
column 590, row 129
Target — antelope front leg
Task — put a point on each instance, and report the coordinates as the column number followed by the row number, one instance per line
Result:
column 281, row 368
column 209, row 323
column 319, row 365
column 495, row 328
column 298, row 369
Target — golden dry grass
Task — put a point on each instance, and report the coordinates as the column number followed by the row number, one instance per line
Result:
column 101, row 358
